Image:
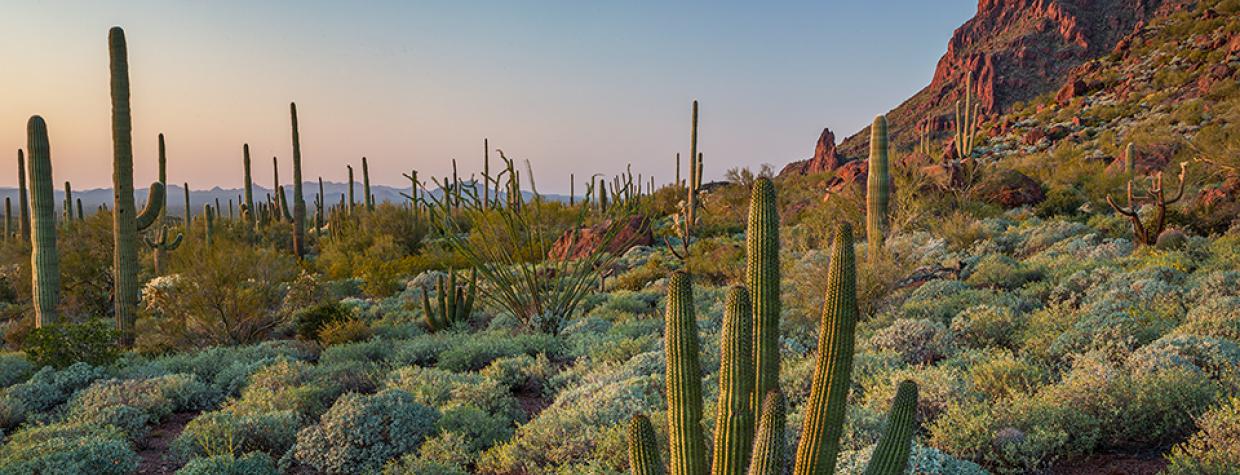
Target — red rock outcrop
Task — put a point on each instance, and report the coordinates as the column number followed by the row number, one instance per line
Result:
column 825, row 157
column 634, row 232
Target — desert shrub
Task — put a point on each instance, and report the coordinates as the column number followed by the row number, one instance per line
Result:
column 917, row 341
column 310, row 320
column 62, row 344
column 922, row 461
column 75, row 449
column 1004, row 374
column 1218, row 318
column 254, row 463
column 639, row 277
column 520, row 372
column 442, row 389
column 344, row 331
column 985, row 326
column 938, row 387
column 477, row 430
column 228, row 294
column 286, row 385
column 228, row 369
column 157, row 397
column 1061, row 201
column 999, row 271
column 44, row 390
column 1215, row 447
column 361, row 433
column 940, row 300
column 413, row 465
column 367, row 351
column 227, row 432
column 14, row 368
column 130, row 420
column 478, row 350
column 1217, row 358
column 375, row 246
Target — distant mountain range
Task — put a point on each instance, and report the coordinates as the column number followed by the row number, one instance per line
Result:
column 93, row 198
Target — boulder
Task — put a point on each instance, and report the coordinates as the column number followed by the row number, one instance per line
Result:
column 635, row 231
column 1010, row 189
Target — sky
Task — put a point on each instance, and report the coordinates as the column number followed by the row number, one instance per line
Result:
column 577, row 87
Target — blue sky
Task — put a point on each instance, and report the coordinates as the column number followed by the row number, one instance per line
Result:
column 576, row 87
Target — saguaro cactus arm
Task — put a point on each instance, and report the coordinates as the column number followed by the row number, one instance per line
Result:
column 154, row 204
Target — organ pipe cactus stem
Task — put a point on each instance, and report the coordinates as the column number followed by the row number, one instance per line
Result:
column 734, row 418
column 1130, row 161
column 455, row 303
column 683, row 379
column 299, row 203
column 890, row 457
column 762, row 275
column 643, row 448
column 686, row 217
column 878, row 189
column 23, row 197
column 768, row 446
column 248, row 211
column 824, row 413
column 966, row 122
column 44, row 262
column 486, row 175
column 125, row 222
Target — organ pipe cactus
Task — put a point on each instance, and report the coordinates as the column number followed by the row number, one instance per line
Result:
column 125, row 223
column 686, row 217
column 824, row 413
column 966, row 122
column 734, row 417
column 891, row 455
column 299, row 203
column 762, row 274
column 23, row 198
column 44, row 262
column 249, row 211
column 878, row 188
column 643, row 448
column 455, row 303
column 161, row 247
column 684, row 380
column 768, row 445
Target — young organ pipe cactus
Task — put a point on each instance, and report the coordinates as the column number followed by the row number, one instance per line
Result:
column 768, row 445
column 643, row 448
column 684, row 380
column 890, row 457
column 824, row 413
column 734, row 418
column 878, row 188
column 455, row 303
column 125, row 223
column 44, row 262
column 299, row 204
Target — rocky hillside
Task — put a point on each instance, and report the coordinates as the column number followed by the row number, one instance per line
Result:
column 1011, row 51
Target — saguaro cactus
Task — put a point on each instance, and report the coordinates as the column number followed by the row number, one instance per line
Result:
column 1147, row 233
column 299, row 204
column 163, row 178
column 762, row 274
column 68, row 203
column 1130, row 161
column 351, row 200
column 44, row 262
column 734, row 418
column 878, row 188
column 966, row 122
column 768, row 446
column 891, row 455
column 22, row 200
column 125, row 223
column 251, row 214
column 208, row 223
column 8, row 218
column 824, row 413
column 189, row 218
column 684, row 380
column 643, row 448
column 369, row 199
column 160, row 247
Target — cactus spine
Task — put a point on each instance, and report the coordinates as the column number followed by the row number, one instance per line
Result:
column 125, row 224
column 299, row 204
column 878, row 188
column 734, row 418
column 44, row 262
column 768, row 446
column 369, row 199
column 23, row 200
column 891, row 455
column 762, row 274
column 250, row 213
column 824, row 413
column 455, row 303
column 684, row 380
column 643, row 448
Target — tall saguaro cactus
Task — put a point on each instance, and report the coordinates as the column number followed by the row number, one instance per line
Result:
column 23, row 200
column 163, row 178
column 189, row 212
column 251, row 214
column 367, row 198
column 44, row 262
column 351, row 201
column 824, row 413
column 68, row 203
column 299, row 203
column 878, row 188
column 126, row 223
column 734, row 418
column 208, row 223
column 684, row 380
column 762, row 275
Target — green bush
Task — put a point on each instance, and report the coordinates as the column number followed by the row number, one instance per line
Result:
column 229, row 433
column 254, row 463
column 360, row 433
column 344, row 331
column 74, row 449
column 999, row 271
column 1215, row 447
column 984, row 326
column 62, row 344
column 156, row 397
column 14, row 368
column 309, row 321
column 917, row 341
